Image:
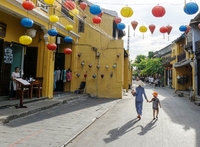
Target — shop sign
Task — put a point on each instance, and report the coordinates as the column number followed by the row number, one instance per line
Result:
column 2, row 30
column 8, row 55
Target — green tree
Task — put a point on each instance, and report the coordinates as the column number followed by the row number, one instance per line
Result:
column 150, row 54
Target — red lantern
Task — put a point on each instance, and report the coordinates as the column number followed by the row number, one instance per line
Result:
column 152, row 28
column 67, row 51
column 28, row 5
column 83, row 5
column 70, row 5
column 169, row 29
column 134, row 24
column 117, row 20
column 52, row 46
column 85, row 75
column 158, row 11
column 100, row 15
column 96, row 20
column 163, row 29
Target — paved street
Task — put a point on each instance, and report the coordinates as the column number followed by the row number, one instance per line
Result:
column 111, row 123
column 177, row 126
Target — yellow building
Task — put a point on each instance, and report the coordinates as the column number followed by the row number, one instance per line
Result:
column 98, row 57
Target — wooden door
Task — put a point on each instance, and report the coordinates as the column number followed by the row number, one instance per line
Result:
column 30, row 62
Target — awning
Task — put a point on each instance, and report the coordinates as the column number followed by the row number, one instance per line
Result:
column 182, row 63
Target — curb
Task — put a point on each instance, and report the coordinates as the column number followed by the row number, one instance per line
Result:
column 33, row 111
column 89, row 124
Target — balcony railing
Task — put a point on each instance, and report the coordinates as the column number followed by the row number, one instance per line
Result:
column 181, row 57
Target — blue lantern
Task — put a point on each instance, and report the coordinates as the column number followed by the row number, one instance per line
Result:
column 27, row 22
column 191, row 8
column 95, row 9
column 52, row 32
column 121, row 26
column 68, row 39
column 183, row 28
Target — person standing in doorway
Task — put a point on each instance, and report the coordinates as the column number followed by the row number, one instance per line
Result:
column 139, row 93
column 13, row 85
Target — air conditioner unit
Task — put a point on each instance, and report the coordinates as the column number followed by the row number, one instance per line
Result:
column 42, row 6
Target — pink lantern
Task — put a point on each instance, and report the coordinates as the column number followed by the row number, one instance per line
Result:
column 69, row 4
column 134, row 25
column 83, row 5
column 117, row 20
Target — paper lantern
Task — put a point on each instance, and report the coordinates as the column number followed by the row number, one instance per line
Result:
column 54, row 18
column 68, row 39
column 28, row 5
column 83, row 5
column 74, row 12
column 169, row 29
column 134, row 24
column 182, row 28
column 51, row 46
column 52, row 32
column 25, row 40
column 95, row 9
column 143, row 29
column 158, row 11
column 96, row 20
column 121, row 26
column 100, row 15
column 191, row 8
column 27, row 22
column 67, row 51
column 152, row 28
column 117, row 20
column 69, row 27
column 126, row 12
column 70, row 5
column 163, row 29
column 49, row 2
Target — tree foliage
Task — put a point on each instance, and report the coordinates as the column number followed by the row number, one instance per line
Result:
column 148, row 66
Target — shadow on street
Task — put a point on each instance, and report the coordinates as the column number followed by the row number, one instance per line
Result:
column 147, row 128
column 117, row 132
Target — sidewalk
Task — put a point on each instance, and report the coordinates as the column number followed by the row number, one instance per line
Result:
column 8, row 111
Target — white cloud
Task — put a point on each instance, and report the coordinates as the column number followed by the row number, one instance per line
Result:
column 175, row 16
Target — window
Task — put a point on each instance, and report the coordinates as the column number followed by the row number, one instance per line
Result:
column 42, row 5
column 81, row 26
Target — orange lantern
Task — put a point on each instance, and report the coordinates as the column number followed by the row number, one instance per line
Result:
column 67, row 51
column 134, row 25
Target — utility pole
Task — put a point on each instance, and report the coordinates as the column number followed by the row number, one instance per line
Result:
column 128, row 38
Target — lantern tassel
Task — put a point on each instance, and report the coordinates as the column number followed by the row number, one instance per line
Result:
column 163, row 36
column 143, row 35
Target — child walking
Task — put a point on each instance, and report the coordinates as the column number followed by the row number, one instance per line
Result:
column 155, row 104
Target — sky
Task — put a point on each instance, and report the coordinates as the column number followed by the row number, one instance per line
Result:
column 142, row 43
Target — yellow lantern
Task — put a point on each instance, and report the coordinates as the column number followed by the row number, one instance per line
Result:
column 68, row 27
column 50, row 2
column 126, row 11
column 25, row 40
column 54, row 18
column 143, row 29
column 74, row 12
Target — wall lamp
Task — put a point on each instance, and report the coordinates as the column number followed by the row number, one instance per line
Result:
column 90, row 65
column 114, row 65
column 82, row 63
column 106, row 66
column 118, row 55
column 98, row 66
column 78, row 75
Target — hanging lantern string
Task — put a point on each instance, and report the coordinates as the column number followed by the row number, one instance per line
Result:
column 98, row 29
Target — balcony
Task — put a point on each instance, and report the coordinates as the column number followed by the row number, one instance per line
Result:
column 181, row 57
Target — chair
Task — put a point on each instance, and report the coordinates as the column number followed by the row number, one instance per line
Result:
column 82, row 87
column 35, row 88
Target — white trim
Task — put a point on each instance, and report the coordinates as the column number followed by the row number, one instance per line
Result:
column 35, row 12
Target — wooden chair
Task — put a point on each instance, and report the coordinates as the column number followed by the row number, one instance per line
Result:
column 35, row 88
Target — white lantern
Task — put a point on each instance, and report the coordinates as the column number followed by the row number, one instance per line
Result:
column 31, row 32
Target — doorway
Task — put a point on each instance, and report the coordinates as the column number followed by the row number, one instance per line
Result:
column 11, row 56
